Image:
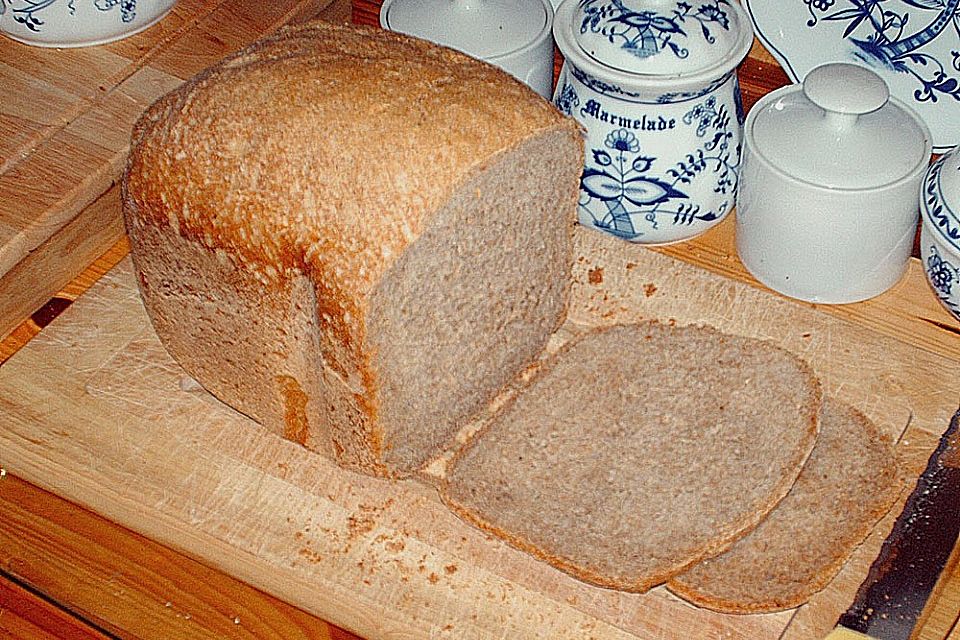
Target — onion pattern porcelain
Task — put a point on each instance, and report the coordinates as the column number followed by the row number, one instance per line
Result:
column 654, row 84
column 940, row 230
column 827, row 209
column 78, row 23
column 914, row 45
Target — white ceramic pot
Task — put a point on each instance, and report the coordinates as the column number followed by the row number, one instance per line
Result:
column 78, row 23
column 654, row 84
column 827, row 209
column 940, row 230
column 511, row 34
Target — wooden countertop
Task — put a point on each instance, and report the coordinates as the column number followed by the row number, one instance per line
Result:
column 66, row 572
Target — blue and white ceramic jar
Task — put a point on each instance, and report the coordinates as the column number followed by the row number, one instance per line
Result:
column 940, row 230
column 654, row 84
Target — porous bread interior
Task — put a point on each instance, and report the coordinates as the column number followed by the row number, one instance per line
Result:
column 475, row 299
column 639, row 450
column 849, row 482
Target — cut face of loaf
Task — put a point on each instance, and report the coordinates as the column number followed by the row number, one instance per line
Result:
column 354, row 237
column 639, row 450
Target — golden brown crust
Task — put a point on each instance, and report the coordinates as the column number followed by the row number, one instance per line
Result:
column 717, row 545
column 317, row 203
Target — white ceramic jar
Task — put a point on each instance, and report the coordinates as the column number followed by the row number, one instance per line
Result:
column 654, row 84
column 827, row 209
column 940, row 230
column 511, row 34
column 78, row 23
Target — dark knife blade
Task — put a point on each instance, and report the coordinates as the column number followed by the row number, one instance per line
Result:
column 892, row 598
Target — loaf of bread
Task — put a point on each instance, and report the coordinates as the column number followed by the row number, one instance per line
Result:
column 639, row 450
column 355, row 237
column 359, row 239
column 850, row 481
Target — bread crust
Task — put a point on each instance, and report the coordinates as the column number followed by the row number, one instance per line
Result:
column 231, row 162
column 720, row 543
column 433, row 126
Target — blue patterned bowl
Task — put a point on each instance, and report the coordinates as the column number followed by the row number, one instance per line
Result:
column 940, row 230
column 78, row 23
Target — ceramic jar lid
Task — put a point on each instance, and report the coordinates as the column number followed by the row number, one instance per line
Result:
column 839, row 129
column 941, row 198
column 484, row 29
column 656, row 37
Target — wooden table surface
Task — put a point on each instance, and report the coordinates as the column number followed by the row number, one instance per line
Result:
column 67, row 573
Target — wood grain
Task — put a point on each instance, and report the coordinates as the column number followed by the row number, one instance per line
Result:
column 51, row 308
column 50, row 561
column 124, row 583
column 94, row 230
column 26, row 616
column 115, row 426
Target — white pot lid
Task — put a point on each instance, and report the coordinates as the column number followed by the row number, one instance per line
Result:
column 484, row 29
column 657, row 37
column 839, row 129
column 941, row 198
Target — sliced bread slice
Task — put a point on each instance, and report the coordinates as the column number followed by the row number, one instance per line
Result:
column 850, row 481
column 639, row 450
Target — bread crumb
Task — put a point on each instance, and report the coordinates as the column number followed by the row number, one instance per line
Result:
column 310, row 555
column 433, row 578
column 364, row 522
column 450, row 569
column 649, row 289
column 595, row 275
column 359, row 525
column 296, row 426
column 396, row 546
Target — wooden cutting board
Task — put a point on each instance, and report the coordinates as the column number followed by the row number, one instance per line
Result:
column 94, row 410
column 65, row 122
